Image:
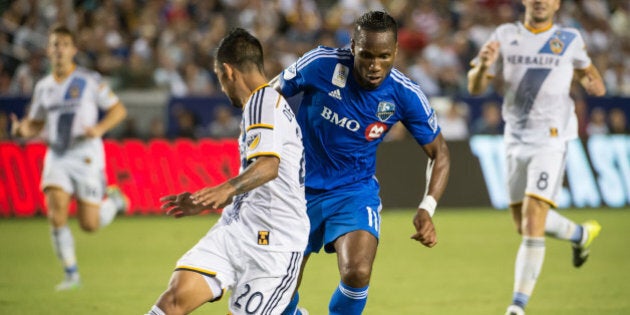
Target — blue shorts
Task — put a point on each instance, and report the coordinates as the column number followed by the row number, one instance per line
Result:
column 336, row 212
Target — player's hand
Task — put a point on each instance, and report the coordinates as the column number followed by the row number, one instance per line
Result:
column 93, row 132
column 15, row 125
column 213, row 197
column 180, row 205
column 425, row 231
column 489, row 53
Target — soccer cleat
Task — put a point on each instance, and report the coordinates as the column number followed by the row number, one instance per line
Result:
column 301, row 311
column 120, row 199
column 590, row 230
column 514, row 310
column 69, row 283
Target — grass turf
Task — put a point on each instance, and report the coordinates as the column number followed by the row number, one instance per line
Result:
column 128, row 264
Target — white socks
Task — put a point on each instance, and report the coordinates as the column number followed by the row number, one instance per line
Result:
column 529, row 261
column 107, row 212
column 63, row 244
column 558, row 226
column 155, row 311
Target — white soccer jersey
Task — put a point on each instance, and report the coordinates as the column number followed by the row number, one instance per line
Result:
column 272, row 216
column 538, row 70
column 69, row 106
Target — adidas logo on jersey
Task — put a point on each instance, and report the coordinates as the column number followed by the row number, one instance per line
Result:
column 336, row 94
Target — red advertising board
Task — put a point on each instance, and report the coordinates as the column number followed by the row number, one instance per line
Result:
column 145, row 171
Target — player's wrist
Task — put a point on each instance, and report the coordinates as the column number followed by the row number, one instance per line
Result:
column 429, row 204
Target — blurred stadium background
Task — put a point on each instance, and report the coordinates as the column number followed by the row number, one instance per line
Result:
column 157, row 55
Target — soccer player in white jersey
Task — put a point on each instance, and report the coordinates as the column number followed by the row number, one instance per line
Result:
column 255, row 249
column 66, row 103
column 539, row 60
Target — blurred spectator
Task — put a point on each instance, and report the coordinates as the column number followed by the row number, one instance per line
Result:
column 166, row 75
column 224, row 125
column 597, row 122
column 490, row 121
column 27, row 74
column 618, row 121
column 453, row 123
column 157, row 129
column 5, row 133
column 187, row 124
column 198, row 80
column 129, row 129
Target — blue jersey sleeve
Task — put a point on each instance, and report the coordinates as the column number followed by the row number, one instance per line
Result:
column 419, row 117
column 303, row 74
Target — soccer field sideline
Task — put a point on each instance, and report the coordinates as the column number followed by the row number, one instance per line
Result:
column 127, row 265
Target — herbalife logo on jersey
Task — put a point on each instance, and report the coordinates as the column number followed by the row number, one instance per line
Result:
column 335, row 94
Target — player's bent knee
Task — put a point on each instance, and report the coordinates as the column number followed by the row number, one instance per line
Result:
column 89, row 227
column 170, row 304
column 356, row 275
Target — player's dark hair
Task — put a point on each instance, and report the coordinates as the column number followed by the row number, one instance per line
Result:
column 375, row 21
column 241, row 50
column 63, row 30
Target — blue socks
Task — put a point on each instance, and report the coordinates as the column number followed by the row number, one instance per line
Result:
column 348, row 300
column 292, row 307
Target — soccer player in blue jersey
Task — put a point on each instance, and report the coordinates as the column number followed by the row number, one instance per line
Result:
column 352, row 97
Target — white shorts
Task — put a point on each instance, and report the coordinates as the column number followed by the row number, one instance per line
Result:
column 535, row 170
column 80, row 171
column 261, row 281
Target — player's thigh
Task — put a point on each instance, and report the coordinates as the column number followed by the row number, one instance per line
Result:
column 517, row 158
column 356, row 250
column 349, row 211
column 58, row 204
column 212, row 257
column 267, row 282
column 546, row 172
column 187, row 290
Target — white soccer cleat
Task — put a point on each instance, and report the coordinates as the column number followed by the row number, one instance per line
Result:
column 69, row 283
column 302, row 311
column 514, row 310
column 119, row 198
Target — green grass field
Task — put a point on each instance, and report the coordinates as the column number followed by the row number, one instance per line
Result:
column 127, row 265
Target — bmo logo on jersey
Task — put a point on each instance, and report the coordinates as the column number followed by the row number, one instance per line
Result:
column 375, row 131
column 343, row 122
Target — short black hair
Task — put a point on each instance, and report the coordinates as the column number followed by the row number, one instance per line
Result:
column 62, row 29
column 376, row 21
column 240, row 49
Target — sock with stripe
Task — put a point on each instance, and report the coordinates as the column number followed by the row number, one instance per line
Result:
column 107, row 212
column 560, row 227
column 348, row 300
column 155, row 311
column 63, row 244
column 529, row 261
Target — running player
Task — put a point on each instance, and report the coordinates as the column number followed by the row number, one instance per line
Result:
column 539, row 60
column 351, row 99
column 67, row 102
column 255, row 249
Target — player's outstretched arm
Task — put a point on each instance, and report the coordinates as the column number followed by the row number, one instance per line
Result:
column 115, row 115
column 438, row 169
column 478, row 77
column 25, row 128
column 591, row 80
column 262, row 170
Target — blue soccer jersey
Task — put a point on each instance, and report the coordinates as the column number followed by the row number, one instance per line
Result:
column 343, row 123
